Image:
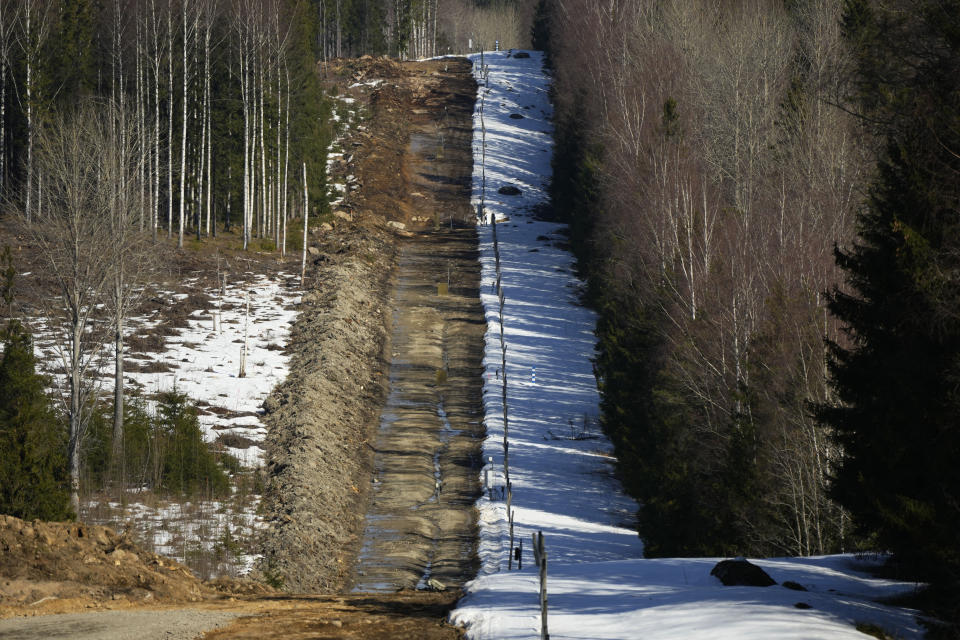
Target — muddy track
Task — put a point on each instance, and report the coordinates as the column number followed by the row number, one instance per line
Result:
column 421, row 523
column 384, row 396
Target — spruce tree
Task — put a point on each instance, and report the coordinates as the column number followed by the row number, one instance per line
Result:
column 33, row 446
column 897, row 380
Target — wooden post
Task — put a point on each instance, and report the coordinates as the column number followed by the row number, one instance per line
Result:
column 306, row 213
column 541, row 555
column 246, row 334
column 510, row 555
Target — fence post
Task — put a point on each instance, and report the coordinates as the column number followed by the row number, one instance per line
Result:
column 541, row 556
column 510, row 557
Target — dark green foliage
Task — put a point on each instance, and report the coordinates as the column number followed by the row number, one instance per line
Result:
column 188, row 464
column 540, row 30
column 575, row 190
column 33, row 441
column 137, row 467
column 897, row 379
column 165, row 452
column 74, row 54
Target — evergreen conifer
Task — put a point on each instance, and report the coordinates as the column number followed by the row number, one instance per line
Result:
column 33, row 463
column 897, row 379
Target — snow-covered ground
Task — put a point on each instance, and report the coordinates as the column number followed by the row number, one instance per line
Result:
column 560, row 467
column 203, row 359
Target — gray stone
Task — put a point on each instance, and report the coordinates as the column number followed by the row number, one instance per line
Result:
column 741, row 573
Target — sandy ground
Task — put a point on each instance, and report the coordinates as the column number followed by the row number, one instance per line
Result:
column 172, row 624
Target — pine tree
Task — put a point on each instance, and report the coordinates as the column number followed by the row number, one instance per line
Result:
column 897, row 379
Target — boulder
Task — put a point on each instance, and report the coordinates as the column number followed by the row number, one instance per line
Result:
column 396, row 225
column 509, row 190
column 326, row 226
column 516, row 116
column 740, row 573
column 343, row 215
column 521, row 54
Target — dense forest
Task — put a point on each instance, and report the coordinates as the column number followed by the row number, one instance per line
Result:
column 762, row 195
column 220, row 98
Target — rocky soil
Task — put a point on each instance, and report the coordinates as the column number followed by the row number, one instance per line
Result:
column 49, row 567
column 81, row 561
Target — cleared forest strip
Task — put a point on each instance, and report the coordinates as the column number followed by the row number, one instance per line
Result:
column 323, row 418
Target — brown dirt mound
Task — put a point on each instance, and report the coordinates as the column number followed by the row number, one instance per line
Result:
column 42, row 561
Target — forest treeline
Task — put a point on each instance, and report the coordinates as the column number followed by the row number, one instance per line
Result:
column 707, row 177
column 420, row 28
column 763, row 197
column 221, row 98
column 223, row 95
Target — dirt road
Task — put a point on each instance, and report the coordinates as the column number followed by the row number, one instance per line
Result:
column 421, row 523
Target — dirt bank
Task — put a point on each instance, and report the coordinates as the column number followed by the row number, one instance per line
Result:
column 320, row 418
column 49, row 566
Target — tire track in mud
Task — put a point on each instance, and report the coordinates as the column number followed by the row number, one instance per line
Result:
column 421, row 524
column 373, row 294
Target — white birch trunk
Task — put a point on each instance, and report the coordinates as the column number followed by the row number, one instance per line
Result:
column 170, row 101
column 183, row 136
column 306, row 213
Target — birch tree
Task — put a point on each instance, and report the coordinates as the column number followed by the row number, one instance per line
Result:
column 9, row 19
column 120, row 197
column 72, row 232
column 35, row 22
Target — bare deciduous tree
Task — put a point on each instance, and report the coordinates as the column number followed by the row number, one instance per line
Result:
column 121, row 192
column 72, row 231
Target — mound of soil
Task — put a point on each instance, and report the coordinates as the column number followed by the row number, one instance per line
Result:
column 44, row 561
column 321, row 417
